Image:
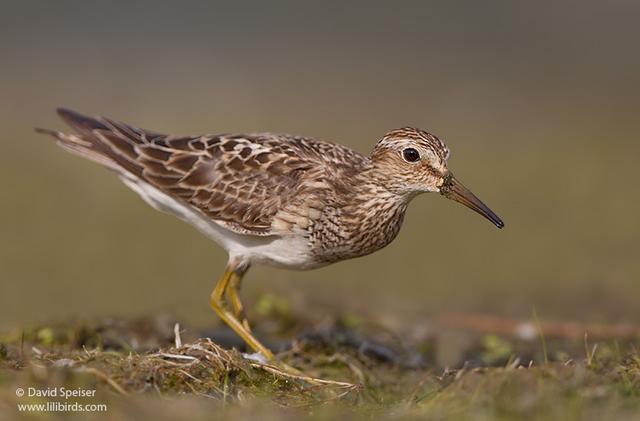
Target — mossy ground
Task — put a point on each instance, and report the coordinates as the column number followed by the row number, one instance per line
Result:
column 139, row 372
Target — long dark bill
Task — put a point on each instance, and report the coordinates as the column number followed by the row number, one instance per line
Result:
column 455, row 190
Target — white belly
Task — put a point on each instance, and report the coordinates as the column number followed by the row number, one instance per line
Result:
column 282, row 251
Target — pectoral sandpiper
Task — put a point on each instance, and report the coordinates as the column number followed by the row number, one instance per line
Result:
column 279, row 200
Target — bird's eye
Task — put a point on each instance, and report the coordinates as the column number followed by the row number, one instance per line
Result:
column 410, row 155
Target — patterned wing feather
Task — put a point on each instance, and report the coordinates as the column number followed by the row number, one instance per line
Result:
column 241, row 181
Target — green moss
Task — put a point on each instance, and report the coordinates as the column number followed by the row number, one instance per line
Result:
column 495, row 349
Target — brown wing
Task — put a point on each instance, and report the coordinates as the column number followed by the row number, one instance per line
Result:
column 239, row 180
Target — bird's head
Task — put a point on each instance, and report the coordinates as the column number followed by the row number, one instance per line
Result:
column 411, row 161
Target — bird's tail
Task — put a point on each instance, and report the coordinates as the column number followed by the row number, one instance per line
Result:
column 82, row 143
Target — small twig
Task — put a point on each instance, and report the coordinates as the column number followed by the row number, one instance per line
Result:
column 225, row 388
column 410, row 400
column 106, row 378
column 513, row 364
column 344, row 359
column 190, row 376
column 195, row 392
column 591, row 354
column 275, row 370
column 176, row 364
column 158, row 391
column 176, row 356
column 176, row 332
column 86, row 351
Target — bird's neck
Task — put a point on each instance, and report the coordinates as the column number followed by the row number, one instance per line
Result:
column 374, row 213
column 362, row 215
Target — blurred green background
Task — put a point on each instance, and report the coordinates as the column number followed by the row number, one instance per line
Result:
column 538, row 101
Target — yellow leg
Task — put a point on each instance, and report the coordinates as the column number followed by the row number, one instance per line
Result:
column 219, row 305
column 233, row 292
column 229, row 285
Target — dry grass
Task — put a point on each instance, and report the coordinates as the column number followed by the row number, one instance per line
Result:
column 146, row 368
